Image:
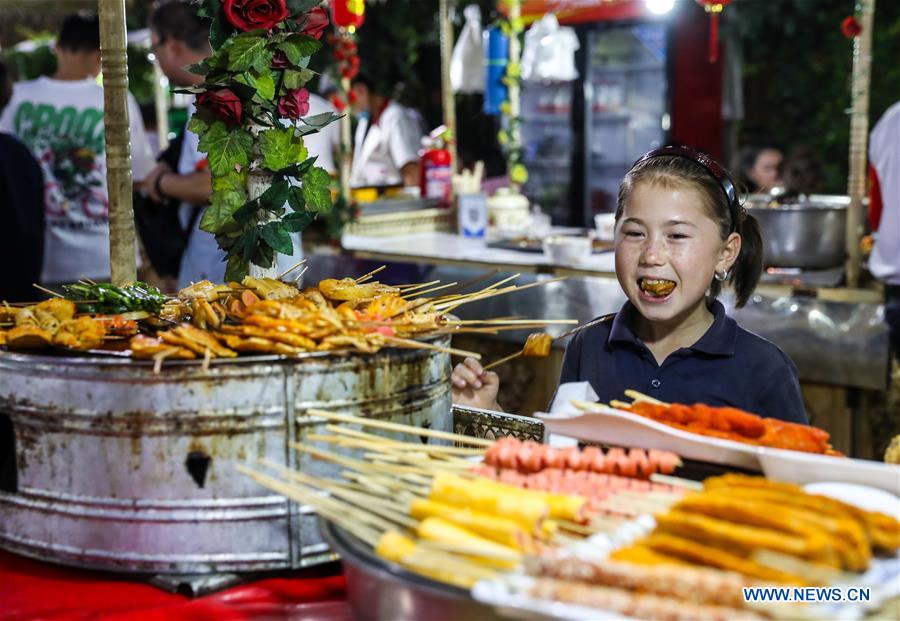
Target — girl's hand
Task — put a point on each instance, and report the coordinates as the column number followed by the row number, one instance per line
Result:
column 473, row 386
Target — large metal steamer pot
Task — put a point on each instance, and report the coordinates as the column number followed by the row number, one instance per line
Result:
column 119, row 468
column 809, row 234
column 379, row 590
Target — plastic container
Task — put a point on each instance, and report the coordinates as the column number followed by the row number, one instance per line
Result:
column 605, row 225
column 472, row 215
column 567, row 249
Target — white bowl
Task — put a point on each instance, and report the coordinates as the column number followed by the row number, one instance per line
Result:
column 565, row 249
column 605, row 224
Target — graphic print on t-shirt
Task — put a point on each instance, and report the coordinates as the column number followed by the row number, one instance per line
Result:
column 69, row 144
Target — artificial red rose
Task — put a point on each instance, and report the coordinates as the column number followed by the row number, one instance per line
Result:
column 294, row 103
column 314, row 22
column 224, row 104
column 251, row 14
column 280, row 60
column 851, row 27
column 351, row 97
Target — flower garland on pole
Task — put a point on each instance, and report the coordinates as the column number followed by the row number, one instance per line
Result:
column 510, row 136
column 251, row 122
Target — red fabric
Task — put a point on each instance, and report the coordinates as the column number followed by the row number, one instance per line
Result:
column 35, row 590
column 875, row 203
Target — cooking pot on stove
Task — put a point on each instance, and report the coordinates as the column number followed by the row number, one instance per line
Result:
column 808, row 233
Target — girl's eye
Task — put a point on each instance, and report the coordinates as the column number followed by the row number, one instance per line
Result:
column 633, row 234
column 678, row 236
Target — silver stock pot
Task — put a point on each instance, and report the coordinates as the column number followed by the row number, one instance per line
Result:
column 809, row 233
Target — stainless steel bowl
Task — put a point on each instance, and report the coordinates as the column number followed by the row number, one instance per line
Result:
column 379, row 590
column 808, row 234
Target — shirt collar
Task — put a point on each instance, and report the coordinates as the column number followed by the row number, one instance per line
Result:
column 717, row 341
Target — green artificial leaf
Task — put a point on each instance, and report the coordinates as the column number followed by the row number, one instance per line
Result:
column 264, row 255
column 301, row 6
column 298, row 221
column 198, row 125
column 280, row 148
column 275, row 195
column 249, row 50
column 226, row 147
column 264, row 85
column 278, row 237
column 219, row 214
column 317, row 190
column 219, row 30
column 237, row 268
column 201, row 68
column 321, row 120
column 246, row 211
column 296, row 200
column 296, row 79
column 208, row 8
column 298, row 170
column 233, row 180
column 227, row 240
column 297, row 47
column 248, row 242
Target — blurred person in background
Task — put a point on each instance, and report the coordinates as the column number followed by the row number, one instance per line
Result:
column 884, row 215
column 803, row 171
column 21, row 211
column 387, row 141
column 181, row 180
column 759, row 167
column 60, row 119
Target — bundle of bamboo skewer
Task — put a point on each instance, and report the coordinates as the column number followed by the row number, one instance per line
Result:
column 422, row 506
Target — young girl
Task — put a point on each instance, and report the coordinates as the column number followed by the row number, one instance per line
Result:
column 680, row 235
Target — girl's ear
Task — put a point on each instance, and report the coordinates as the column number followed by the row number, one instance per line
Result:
column 731, row 249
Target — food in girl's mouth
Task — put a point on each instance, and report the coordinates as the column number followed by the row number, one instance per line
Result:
column 659, row 287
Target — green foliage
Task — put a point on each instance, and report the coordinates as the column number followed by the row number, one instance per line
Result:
column 226, row 147
column 280, row 148
column 249, row 50
column 317, row 190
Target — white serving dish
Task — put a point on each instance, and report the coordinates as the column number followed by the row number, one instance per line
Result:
column 567, row 249
column 611, row 426
column 605, row 225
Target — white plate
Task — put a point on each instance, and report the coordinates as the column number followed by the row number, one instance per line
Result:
column 611, row 426
column 862, row 496
column 797, row 467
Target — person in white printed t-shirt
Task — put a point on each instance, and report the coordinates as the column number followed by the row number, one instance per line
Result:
column 387, row 141
column 60, row 119
column 884, row 262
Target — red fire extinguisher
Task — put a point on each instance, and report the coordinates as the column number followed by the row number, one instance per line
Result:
column 436, row 168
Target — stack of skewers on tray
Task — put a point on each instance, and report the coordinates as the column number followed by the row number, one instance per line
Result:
column 257, row 316
column 598, row 532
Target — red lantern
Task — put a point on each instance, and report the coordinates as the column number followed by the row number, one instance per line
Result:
column 349, row 14
column 714, row 7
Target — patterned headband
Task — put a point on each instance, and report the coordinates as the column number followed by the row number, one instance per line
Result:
column 711, row 166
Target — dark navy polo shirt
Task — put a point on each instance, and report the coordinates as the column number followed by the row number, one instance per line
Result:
column 728, row 366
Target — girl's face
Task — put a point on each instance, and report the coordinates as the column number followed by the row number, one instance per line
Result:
column 668, row 250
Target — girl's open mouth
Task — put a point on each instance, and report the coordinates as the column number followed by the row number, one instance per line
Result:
column 656, row 287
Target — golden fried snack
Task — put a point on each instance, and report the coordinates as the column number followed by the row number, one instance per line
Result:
column 28, row 337
column 269, row 288
column 280, row 336
column 204, row 289
column 701, row 554
column 143, row 346
column 348, row 289
column 537, row 345
column 2, row 337
column 205, row 315
column 882, row 530
column 846, row 536
column 81, row 333
column 203, row 339
column 640, row 554
column 312, row 296
column 259, row 345
column 366, row 343
column 743, row 540
column 660, row 287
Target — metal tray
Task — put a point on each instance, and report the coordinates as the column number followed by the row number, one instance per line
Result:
column 378, row 590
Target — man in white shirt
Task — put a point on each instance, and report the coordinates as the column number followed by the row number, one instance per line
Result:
column 884, row 263
column 387, row 142
column 60, row 120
